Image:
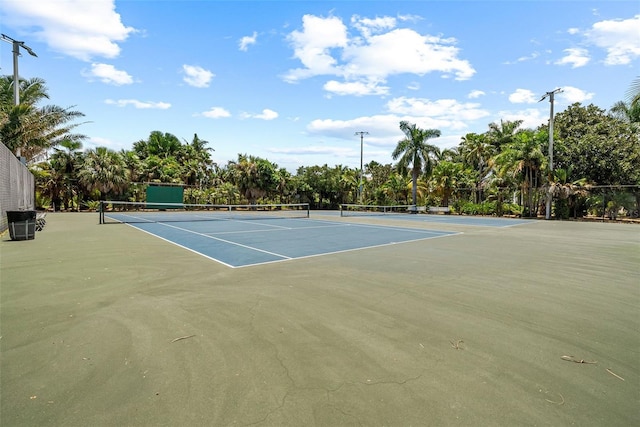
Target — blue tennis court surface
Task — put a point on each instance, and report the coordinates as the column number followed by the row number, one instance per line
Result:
column 241, row 243
column 478, row 221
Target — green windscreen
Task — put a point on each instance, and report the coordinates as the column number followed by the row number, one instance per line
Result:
column 165, row 194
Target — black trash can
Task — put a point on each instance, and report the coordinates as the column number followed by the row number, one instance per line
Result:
column 22, row 225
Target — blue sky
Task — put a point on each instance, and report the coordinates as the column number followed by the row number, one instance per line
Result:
column 292, row 81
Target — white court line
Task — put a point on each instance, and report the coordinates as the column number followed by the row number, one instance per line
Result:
column 334, row 225
column 385, row 227
column 225, row 241
column 337, row 225
column 493, row 222
column 182, row 246
column 352, row 250
column 115, row 218
column 287, row 258
column 259, row 223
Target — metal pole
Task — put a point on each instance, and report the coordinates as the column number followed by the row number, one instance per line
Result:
column 551, row 132
column 361, row 153
column 549, row 196
column 362, row 134
column 16, row 76
column 551, row 99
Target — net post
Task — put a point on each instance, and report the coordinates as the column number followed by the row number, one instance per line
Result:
column 101, row 212
column 308, row 211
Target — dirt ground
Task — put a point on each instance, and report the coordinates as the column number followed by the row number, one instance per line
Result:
column 103, row 325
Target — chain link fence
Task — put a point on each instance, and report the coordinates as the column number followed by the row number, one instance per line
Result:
column 17, row 186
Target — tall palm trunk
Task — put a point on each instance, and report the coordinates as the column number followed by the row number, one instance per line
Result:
column 414, row 186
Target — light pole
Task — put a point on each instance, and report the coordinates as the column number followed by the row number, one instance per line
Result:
column 362, row 134
column 550, row 95
column 16, row 78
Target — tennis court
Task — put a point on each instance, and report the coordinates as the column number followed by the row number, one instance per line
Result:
column 534, row 324
column 477, row 221
column 252, row 237
column 241, row 243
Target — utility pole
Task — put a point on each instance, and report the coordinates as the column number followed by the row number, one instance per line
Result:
column 362, row 134
column 550, row 95
column 16, row 77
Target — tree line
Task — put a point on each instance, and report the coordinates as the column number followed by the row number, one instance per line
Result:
column 503, row 171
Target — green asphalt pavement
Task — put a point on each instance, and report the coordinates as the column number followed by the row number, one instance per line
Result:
column 105, row 325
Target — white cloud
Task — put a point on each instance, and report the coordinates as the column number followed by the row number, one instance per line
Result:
column 356, row 88
column 531, row 57
column 139, row 104
column 216, row 113
column 573, row 31
column 572, row 94
column 312, row 46
column 314, row 150
column 449, row 112
column 531, row 117
column 266, row 114
column 380, row 127
column 523, row 96
column 576, row 57
column 109, row 74
column 96, row 141
column 620, row 38
column 197, row 76
column 78, row 28
column 476, row 94
column 384, row 130
column 369, row 26
column 248, row 40
column 403, row 50
column 410, row 18
column 324, row 47
column 447, row 115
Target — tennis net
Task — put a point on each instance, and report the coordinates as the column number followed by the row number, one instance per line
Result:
column 140, row 212
column 363, row 210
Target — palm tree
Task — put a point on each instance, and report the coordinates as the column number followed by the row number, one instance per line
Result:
column 395, row 188
column 562, row 187
column 163, row 145
column 49, row 184
column 162, row 169
column 32, row 91
column 477, row 151
column 196, row 162
column 503, row 133
column 199, row 145
column 134, row 165
column 446, row 178
column 284, row 186
column 627, row 112
column 29, row 130
column 228, row 192
column 104, row 170
column 633, row 93
column 523, row 159
column 254, row 177
column 413, row 151
column 349, row 182
column 67, row 162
